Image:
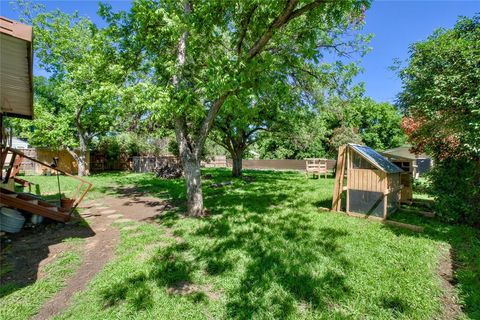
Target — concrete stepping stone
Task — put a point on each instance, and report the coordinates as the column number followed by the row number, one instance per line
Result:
column 96, row 204
column 115, row 216
column 129, row 227
column 108, row 211
column 102, row 208
column 123, row 220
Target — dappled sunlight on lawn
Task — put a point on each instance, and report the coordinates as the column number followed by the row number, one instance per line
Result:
column 264, row 251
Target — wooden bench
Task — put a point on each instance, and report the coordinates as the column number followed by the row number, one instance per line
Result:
column 316, row 167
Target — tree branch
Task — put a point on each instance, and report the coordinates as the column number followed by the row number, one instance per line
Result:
column 208, row 122
column 245, row 25
column 287, row 15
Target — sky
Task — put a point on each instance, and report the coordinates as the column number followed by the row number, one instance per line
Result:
column 395, row 25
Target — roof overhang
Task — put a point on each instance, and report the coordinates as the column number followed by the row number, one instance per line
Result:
column 16, row 65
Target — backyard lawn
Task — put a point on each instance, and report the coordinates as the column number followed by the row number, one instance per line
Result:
column 265, row 251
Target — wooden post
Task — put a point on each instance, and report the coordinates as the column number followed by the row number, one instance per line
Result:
column 349, row 160
column 340, row 172
column 385, row 200
column 10, row 167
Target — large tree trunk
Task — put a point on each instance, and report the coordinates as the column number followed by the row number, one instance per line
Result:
column 237, row 157
column 82, row 163
column 82, row 158
column 191, row 169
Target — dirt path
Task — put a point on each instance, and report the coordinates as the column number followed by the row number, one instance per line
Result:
column 451, row 306
column 100, row 248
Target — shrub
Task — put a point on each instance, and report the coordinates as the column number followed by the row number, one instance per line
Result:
column 455, row 183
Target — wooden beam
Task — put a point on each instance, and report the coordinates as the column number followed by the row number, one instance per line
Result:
column 384, row 221
column 339, row 176
column 10, row 167
column 349, row 159
column 40, row 209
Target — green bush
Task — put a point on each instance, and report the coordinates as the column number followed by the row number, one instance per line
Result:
column 455, row 183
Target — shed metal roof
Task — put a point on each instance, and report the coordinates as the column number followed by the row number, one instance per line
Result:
column 16, row 87
column 375, row 158
column 403, row 152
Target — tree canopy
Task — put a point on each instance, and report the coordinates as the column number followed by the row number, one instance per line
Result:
column 79, row 99
column 441, row 98
column 203, row 53
column 440, row 92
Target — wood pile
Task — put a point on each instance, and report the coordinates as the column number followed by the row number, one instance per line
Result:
column 169, row 170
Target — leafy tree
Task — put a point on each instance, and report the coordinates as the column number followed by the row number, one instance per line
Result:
column 78, row 102
column 343, row 135
column 204, row 53
column 378, row 124
column 240, row 122
column 442, row 102
column 303, row 135
column 441, row 95
column 333, row 122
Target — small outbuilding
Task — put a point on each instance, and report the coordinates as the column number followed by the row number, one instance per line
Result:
column 415, row 164
column 373, row 185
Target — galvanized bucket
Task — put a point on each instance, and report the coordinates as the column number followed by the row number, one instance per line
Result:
column 11, row 220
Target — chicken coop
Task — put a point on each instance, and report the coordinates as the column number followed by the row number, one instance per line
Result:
column 366, row 183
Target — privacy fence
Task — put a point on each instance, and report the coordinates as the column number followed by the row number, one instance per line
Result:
column 66, row 162
column 148, row 164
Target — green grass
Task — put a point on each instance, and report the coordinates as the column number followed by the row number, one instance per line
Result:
column 18, row 302
column 266, row 252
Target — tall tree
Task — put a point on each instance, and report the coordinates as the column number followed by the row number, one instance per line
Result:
column 82, row 91
column 378, row 124
column 279, row 106
column 441, row 98
column 206, row 52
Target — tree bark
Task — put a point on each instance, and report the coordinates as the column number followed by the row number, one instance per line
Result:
column 82, row 158
column 191, row 169
column 190, row 160
column 237, row 157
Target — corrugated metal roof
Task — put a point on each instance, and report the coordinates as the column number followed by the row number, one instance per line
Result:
column 404, row 152
column 16, row 94
column 375, row 158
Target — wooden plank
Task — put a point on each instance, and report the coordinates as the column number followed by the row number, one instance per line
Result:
column 16, row 152
column 339, row 176
column 385, row 206
column 24, row 204
column 386, row 222
column 10, row 167
column 16, row 166
column 404, row 225
column 3, row 158
column 349, row 170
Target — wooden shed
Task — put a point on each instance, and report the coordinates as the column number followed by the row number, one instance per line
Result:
column 412, row 164
column 373, row 186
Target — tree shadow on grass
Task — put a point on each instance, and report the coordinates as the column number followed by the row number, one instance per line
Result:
column 166, row 269
column 277, row 277
column 273, row 254
column 465, row 254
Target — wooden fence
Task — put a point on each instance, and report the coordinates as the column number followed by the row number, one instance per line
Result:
column 100, row 162
column 278, row 164
column 148, row 164
column 66, row 162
